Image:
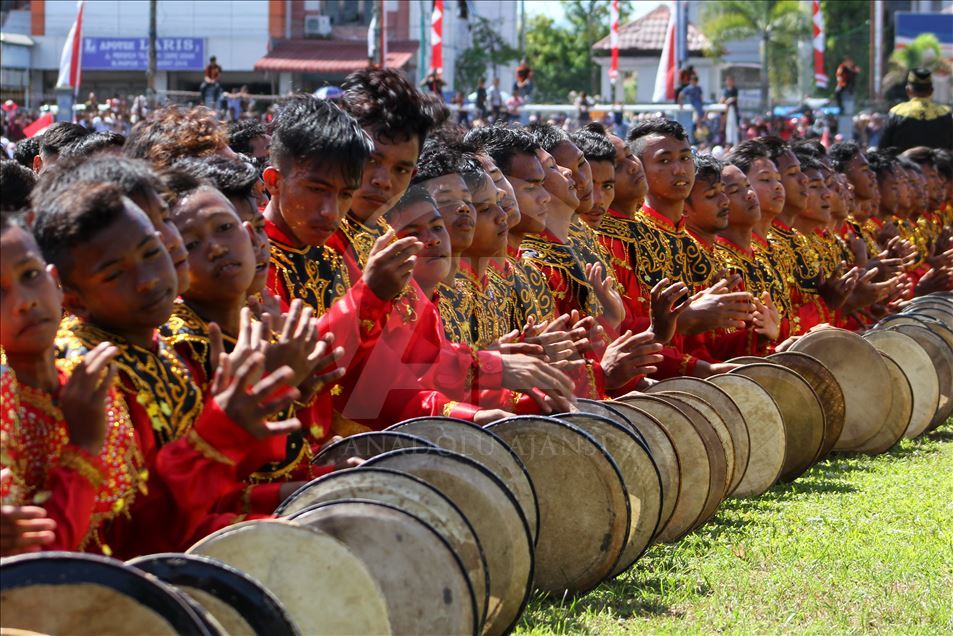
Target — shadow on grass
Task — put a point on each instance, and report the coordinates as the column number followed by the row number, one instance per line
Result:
column 639, row 591
column 623, row 597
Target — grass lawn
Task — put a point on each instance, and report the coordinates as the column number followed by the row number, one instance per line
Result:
column 858, row 544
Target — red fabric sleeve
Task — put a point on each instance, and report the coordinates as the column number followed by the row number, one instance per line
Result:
column 72, row 486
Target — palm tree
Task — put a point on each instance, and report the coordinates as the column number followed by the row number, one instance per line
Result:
column 777, row 23
column 923, row 52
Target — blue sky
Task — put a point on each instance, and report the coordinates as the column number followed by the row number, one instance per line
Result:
column 554, row 9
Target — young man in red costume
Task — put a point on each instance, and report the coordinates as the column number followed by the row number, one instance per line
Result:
column 67, row 439
column 814, row 296
column 212, row 315
column 119, row 284
column 615, row 362
column 749, row 176
column 706, row 214
column 660, row 251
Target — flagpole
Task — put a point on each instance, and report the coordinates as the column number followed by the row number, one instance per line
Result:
column 151, row 71
column 614, row 41
column 383, row 42
column 70, row 72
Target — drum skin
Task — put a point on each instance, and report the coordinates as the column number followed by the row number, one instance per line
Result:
column 583, row 507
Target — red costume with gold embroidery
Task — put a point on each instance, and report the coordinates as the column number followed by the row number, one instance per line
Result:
column 193, row 452
column 321, row 277
column 801, row 266
column 758, row 276
column 650, row 248
column 723, row 344
column 188, row 334
column 80, row 491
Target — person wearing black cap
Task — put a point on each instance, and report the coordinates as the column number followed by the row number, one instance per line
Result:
column 919, row 121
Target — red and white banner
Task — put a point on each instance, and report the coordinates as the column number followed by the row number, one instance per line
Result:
column 665, row 78
column 820, row 77
column 436, row 37
column 614, row 39
column 71, row 59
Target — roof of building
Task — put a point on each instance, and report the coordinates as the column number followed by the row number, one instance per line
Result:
column 330, row 56
column 646, row 35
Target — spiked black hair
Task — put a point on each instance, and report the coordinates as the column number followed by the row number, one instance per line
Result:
column 654, row 126
column 317, row 131
column 501, row 144
column 594, row 147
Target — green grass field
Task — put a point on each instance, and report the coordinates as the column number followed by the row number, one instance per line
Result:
column 858, row 544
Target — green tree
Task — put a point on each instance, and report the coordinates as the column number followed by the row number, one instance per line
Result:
column 589, row 21
column 779, row 24
column 925, row 51
column 852, row 19
column 487, row 50
column 558, row 65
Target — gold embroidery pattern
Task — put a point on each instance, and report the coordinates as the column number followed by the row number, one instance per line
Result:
column 501, row 287
column 560, row 259
column 160, row 381
column 585, row 243
column 866, row 231
column 316, row 275
column 799, row 260
column 657, row 251
column 456, row 311
column 488, row 317
column 448, row 408
column 362, row 237
column 81, row 465
column 759, row 276
column 186, row 326
column 207, row 450
column 297, row 450
column 530, row 294
column 35, row 438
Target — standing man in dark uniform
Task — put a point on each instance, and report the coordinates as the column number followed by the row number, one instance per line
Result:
column 920, row 121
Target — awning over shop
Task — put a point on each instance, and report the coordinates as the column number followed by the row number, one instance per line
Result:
column 330, row 56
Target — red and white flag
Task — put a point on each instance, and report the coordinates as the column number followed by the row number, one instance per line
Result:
column 436, row 37
column 614, row 39
column 665, row 78
column 39, row 126
column 71, row 59
column 820, row 77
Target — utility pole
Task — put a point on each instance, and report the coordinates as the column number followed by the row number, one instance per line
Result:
column 151, row 71
column 522, row 29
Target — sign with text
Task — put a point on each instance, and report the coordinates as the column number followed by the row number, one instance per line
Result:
column 132, row 54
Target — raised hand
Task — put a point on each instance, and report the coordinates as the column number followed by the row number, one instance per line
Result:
column 83, row 398
column 299, row 345
column 667, row 304
column 24, row 529
column 323, row 356
column 550, row 387
column 248, row 399
column 266, row 303
column 767, row 319
column 488, row 416
column 391, row 264
column 836, row 288
column 858, row 248
column 604, row 287
column 936, row 279
column 628, row 356
column 510, row 344
column 716, row 308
